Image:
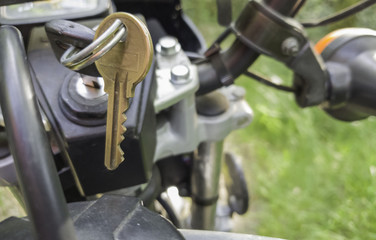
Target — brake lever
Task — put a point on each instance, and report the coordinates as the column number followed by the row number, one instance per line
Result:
column 63, row 34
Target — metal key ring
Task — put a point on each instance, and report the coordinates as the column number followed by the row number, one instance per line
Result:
column 76, row 59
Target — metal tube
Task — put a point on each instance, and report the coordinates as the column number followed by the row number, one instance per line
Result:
column 205, row 184
column 29, row 145
column 239, row 57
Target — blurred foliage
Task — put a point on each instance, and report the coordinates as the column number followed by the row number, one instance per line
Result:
column 9, row 205
column 204, row 14
column 310, row 176
column 317, row 9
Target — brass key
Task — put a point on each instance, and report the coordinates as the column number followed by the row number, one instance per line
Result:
column 122, row 68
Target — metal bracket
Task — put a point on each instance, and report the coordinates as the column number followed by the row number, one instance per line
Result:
column 179, row 124
column 272, row 34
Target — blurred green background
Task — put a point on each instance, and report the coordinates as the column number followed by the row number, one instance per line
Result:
column 310, row 176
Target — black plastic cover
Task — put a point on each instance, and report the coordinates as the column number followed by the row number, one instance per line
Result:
column 118, row 217
column 171, row 17
column 110, row 217
column 86, row 144
column 351, row 64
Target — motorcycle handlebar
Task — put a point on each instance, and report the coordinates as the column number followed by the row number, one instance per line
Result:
column 29, row 144
column 223, row 68
column 344, row 86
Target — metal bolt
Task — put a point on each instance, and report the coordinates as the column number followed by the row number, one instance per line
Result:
column 168, row 46
column 290, row 46
column 180, row 74
column 237, row 93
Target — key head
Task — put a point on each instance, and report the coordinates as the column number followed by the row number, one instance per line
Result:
column 130, row 60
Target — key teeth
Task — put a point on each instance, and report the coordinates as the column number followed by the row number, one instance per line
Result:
column 122, row 131
column 121, row 153
column 124, row 116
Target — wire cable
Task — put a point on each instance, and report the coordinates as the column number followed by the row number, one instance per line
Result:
column 298, row 7
column 170, row 211
column 347, row 12
column 268, row 82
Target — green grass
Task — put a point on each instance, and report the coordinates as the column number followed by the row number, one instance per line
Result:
column 310, row 176
column 9, row 205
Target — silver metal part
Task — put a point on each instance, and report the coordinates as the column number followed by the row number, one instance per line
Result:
column 2, row 124
column 90, row 87
column 168, row 46
column 180, row 74
column 290, row 46
column 89, row 81
column 214, row 235
column 169, row 93
column 183, row 128
column 76, row 59
column 165, row 61
column 205, row 184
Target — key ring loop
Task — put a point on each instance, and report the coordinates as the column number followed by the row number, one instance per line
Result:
column 76, row 59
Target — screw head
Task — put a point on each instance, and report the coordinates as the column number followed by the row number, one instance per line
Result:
column 168, row 46
column 180, row 74
column 237, row 93
column 290, row 46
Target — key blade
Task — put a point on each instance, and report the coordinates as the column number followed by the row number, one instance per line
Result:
column 131, row 61
column 115, row 129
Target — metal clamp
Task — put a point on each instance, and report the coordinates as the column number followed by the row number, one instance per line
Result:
column 76, row 59
column 285, row 40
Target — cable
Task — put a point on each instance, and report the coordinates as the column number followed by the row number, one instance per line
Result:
column 214, row 48
column 195, row 57
column 268, row 82
column 298, row 7
column 222, row 36
column 170, row 212
column 351, row 10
